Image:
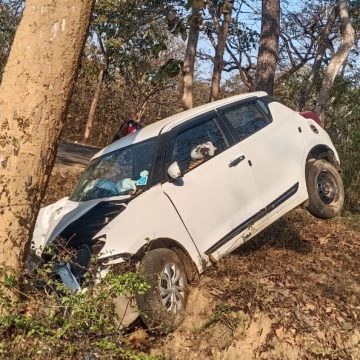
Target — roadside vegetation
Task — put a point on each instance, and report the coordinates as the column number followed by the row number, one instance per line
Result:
column 52, row 322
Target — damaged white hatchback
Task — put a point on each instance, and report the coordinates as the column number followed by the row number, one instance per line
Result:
column 181, row 193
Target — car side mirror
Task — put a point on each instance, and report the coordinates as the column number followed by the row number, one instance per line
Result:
column 174, row 170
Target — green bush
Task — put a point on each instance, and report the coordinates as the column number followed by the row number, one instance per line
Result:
column 51, row 322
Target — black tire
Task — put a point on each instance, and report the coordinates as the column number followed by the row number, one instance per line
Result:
column 325, row 188
column 162, row 309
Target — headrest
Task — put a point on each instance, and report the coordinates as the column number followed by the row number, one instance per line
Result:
column 203, row 150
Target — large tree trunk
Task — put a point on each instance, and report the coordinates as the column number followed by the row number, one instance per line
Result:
column 34, row 95
column 323, row 44
column 269, row 43
column 94, row 104
column 189, row 61
column 338, row 59
column 222, row 33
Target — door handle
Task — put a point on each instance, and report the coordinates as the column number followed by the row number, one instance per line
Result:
column 237, row 161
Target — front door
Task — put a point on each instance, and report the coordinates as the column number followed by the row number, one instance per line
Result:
column 217, row 192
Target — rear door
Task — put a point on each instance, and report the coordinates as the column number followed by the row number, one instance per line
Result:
column 272, row 144
column 217, row 192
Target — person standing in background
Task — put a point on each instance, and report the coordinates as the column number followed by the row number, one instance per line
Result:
column 130, row 126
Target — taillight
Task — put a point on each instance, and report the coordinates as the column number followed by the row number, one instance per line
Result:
column 311, row 115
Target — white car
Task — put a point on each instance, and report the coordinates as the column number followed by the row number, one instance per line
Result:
column 181, row 193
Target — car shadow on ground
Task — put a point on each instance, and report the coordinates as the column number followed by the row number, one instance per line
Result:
column 283, row 234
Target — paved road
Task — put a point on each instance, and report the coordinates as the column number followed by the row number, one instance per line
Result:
column 74, row 154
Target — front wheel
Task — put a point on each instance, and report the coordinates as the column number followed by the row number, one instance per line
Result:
column 325, row 188
column 162, row 307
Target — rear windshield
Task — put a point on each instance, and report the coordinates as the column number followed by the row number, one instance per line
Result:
column 121, row 172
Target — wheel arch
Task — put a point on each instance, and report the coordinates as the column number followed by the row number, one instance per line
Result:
column 322, row 151
column 192, row 272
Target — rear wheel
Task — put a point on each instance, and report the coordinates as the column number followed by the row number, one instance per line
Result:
column 325, row 188
column 162, row 307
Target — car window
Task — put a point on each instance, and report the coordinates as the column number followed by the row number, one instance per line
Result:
column 197, row 144
column 246, row 119
column 121, row 172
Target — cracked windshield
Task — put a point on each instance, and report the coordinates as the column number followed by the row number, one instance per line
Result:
column 121, row 172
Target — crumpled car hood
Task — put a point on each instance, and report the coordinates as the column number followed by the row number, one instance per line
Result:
column 54, row 218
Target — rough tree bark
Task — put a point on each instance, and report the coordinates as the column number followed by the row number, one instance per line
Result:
column 338, row 59
column 222, row 33
column 269, row 44
column 323, row 45
column 189, row 60
column 34, row 95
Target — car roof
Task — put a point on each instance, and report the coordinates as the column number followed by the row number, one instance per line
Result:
column 168, row 123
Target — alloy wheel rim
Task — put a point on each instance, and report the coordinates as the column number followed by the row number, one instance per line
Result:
column 172, row 288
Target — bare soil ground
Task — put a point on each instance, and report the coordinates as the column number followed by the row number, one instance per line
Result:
column 293, row 292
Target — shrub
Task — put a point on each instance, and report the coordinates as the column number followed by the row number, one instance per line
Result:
column 51, row 322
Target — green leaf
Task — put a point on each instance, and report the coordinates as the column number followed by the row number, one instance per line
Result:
column 169, row 70
column 157, row 48
column 9, row 280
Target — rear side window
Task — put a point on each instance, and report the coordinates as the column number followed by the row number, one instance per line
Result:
column 246, row 119
column 197, row 144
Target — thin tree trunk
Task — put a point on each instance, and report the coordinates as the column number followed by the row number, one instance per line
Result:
column 94, row 104
column 189, row 61
column 323, row 44
column 34, row 96
column 338, row 59
column 222, row 33
column 269, row 44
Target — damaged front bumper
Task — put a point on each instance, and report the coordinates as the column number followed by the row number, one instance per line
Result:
column 34, row 262
column 125, row 308
column 67, row 277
